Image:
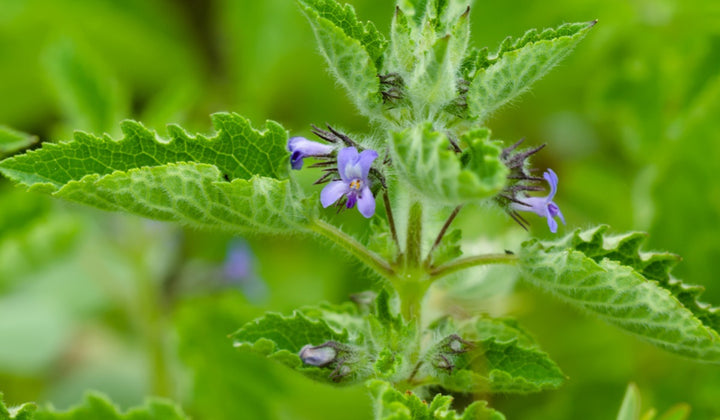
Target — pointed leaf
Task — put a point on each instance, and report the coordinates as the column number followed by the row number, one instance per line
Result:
column 344, row 17
column 229, row 181
column 353, row 51
column 630, row 408
column 608, row 277
column 423, row 158
column 517, row 65
column 237, row 150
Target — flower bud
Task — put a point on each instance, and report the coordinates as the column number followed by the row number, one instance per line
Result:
column 320, row 356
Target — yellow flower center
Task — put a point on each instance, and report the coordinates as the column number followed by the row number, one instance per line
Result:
column 356, row 184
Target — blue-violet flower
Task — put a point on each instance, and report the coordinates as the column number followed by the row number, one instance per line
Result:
column 354, row 168
column 544, row 206
column 300, row 148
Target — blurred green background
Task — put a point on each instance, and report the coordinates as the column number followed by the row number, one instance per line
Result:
column 132, row 308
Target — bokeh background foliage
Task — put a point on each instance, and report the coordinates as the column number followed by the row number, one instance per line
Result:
column 133, row 308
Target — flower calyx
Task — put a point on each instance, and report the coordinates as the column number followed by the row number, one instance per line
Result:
column 391, row 87
column 448, row 349
column 520, row 181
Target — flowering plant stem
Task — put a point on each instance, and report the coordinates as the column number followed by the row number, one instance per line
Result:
column 472, row 261
column 354, row 247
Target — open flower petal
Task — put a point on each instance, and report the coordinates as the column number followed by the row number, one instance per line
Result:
column 365, row 161
column 347, row 159
column 543, row 206
column 332, row 192
column 366, row 203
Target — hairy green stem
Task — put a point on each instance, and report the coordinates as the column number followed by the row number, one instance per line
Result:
column 474, row 261
column 391, row 221
column 354, row 247
column 411, row 288
column 413, row 243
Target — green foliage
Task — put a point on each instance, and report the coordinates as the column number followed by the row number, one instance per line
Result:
column 353, row 50
column 13, row 140
column 426, row 160
column 231, row 181
column 95, row 406
column 449, row 248
column 98, row 406
column 89, row 96
column 237, row 150
column 483, row 354
column 497, row 80
column 391, row 404
column 631, row 408
column 281, row 338
column 22, row 412
column 608, row 277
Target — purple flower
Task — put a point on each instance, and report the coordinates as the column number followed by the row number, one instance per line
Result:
column 354, row 168
column 300, row 148
column 544, row 206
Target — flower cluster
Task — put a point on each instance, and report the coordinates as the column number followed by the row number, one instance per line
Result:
column 352, row 167
column 348, row 172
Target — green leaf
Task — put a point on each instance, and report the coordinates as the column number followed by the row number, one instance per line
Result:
column 237, row 150
column 483, row 354
column 353, row 50
column 98, row 406
column 22, row 412
column 281, row 338
column 12, row 140
column 229, row 181
column 401, row 54
column 428, row 57
column 439, row 13
column 505, row 367
column 391, row 404
column 630, row 408
column 609, row 277
column 424, row 158
column 497, row 80
column 502, row 330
